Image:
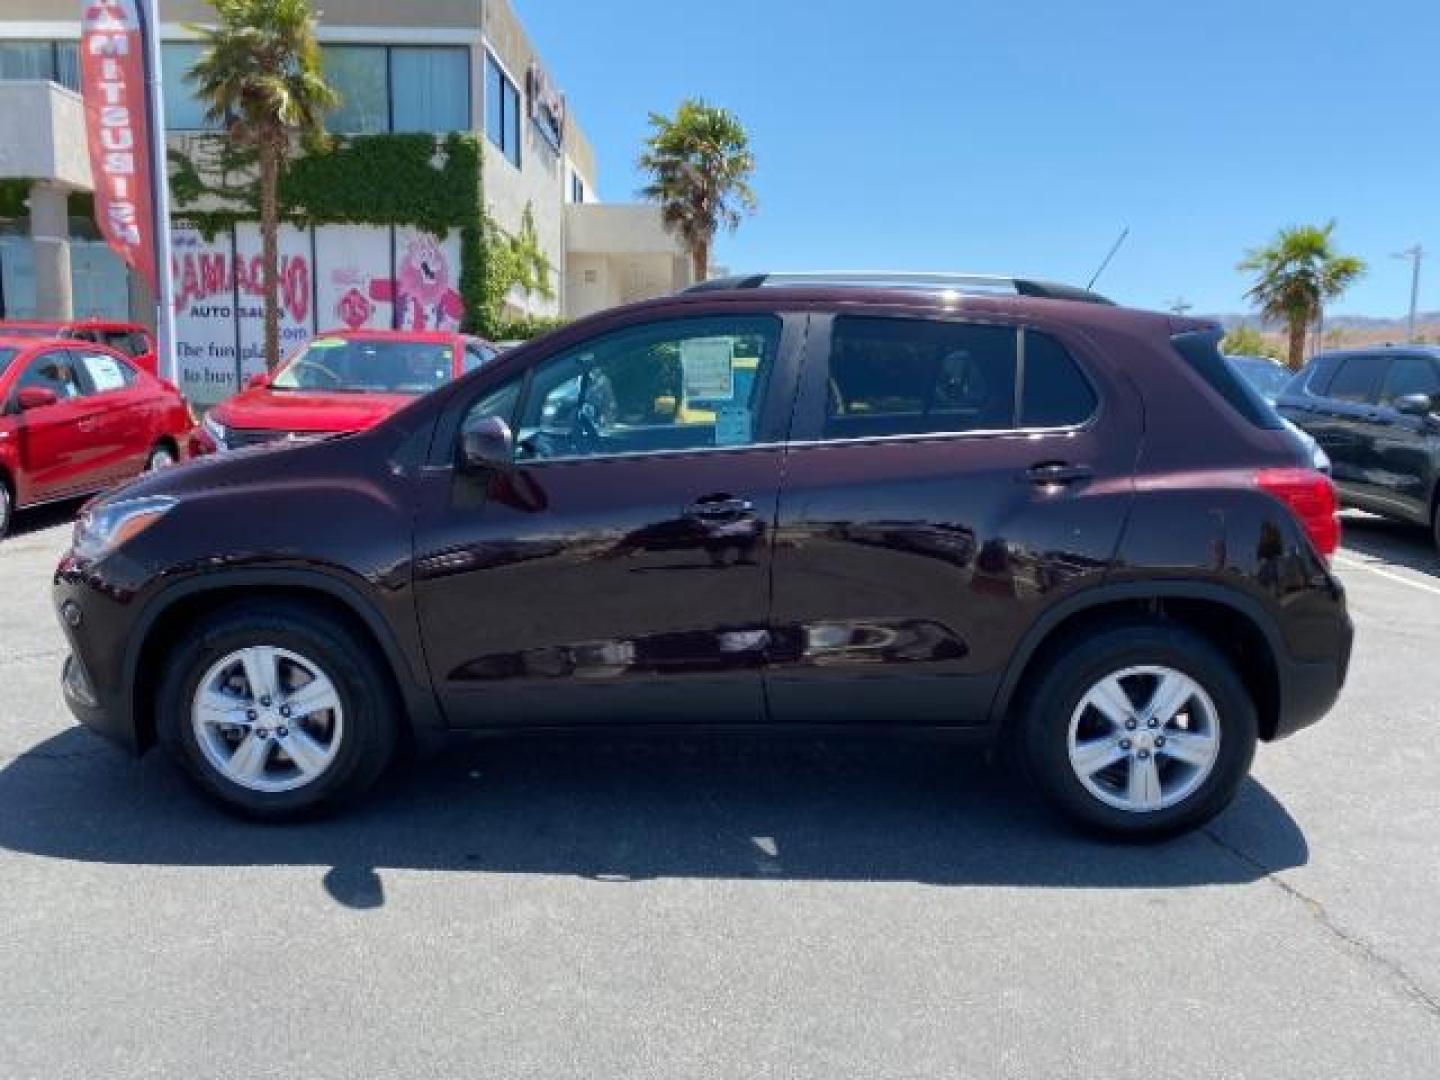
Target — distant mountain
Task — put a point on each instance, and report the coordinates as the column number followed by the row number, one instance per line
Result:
column 1344, row 331
column 1369, row 324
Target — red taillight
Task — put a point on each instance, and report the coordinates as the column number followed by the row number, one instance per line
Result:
column 1311, row 496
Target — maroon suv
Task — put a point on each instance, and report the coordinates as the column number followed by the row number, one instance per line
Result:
column 983, row 508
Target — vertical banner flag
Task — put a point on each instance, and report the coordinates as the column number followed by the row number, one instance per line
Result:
column 113, row 58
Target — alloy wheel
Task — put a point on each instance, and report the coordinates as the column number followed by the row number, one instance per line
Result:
column 160, row 458
column 268, row 719
column 1144, row 739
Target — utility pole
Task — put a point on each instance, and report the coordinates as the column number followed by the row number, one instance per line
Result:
column 1180, row 306
column 1416, row 255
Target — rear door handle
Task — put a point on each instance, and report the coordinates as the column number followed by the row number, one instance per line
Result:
column 723, row 506
column 1057, row 472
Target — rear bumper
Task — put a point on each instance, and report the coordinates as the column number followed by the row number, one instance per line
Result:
column 1309, row 688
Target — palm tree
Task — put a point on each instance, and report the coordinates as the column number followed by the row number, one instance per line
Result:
column 1295, row 275
column 700, row 164
column 260, row 77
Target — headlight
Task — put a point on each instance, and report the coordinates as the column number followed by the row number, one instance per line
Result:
column 215, row 430
column 101, row 529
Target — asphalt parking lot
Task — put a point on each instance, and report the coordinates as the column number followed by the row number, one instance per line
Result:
column 727, row 908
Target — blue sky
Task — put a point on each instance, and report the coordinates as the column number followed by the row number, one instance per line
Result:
column 1020, row 138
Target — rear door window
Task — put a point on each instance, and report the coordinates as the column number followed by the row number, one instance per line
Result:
column 1357, row 379
column 1056, row 392
column 107, row 372
column 915, row 377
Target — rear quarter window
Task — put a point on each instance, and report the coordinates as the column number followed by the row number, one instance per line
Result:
column 1201, row 350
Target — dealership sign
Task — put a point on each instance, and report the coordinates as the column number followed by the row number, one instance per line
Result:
column 112, row 72
column 547, row 105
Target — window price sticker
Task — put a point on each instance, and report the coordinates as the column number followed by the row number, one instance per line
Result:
column 105, row 373
column 707, row 365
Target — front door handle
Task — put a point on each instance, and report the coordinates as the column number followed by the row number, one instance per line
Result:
column 720, row 506
column 1057, row 472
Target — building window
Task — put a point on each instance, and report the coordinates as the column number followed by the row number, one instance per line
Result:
column 577, row 187
column 398, row 88
column 502, row 111
column 431, row 88
column 56, row 61
column 359, row 76
column 183, row 110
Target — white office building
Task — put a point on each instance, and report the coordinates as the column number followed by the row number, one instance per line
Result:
column 435, row 66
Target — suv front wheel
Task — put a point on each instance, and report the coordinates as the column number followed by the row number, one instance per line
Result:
column 1140, row 730
column 277, row 711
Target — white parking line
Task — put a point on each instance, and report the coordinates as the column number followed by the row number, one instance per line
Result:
column 1356, row 564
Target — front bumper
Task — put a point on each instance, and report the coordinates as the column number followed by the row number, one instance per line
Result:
column 97, row 628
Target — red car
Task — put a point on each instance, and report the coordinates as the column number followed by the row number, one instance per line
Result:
column 132, row 339
column 78, row 418
column 343, row 382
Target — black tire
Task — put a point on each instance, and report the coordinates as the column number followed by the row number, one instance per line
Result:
column 7, row 507
column 368, row 701
column 1435, row 524
column 1083, row 662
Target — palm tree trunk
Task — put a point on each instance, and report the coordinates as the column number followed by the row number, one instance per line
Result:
column 700, row 260
column 1299, row 326
column 270, row 245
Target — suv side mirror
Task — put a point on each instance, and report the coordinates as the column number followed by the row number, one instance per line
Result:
column 1414, row 405
column 36, row 397
column 489, row 445
column 256, row 381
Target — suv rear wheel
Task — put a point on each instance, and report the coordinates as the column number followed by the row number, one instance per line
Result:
column 1140, row 730
column 277, row 712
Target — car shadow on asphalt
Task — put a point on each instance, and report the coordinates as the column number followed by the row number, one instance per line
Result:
column 632, row 809
column 1395, row 542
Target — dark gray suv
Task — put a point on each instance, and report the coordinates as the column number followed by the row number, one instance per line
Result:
column 1376, row 413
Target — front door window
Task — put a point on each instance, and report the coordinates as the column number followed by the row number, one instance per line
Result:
column 687, row 384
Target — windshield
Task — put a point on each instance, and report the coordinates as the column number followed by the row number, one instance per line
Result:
column 1270, row 379
column 368, row 365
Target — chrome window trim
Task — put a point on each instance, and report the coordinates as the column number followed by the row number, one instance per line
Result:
column 806, row 444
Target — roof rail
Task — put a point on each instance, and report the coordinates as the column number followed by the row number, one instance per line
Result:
column 970, row 284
